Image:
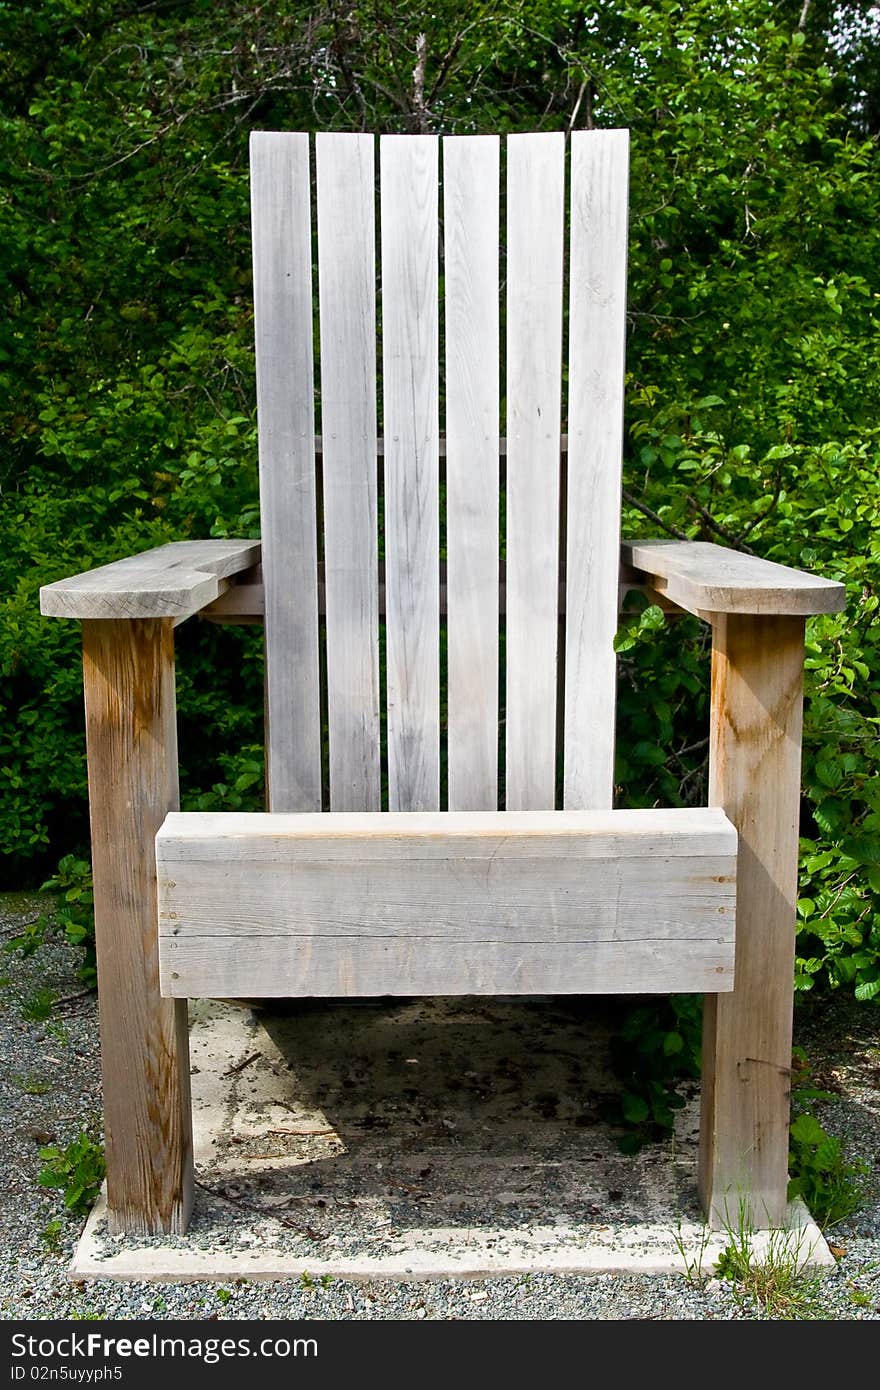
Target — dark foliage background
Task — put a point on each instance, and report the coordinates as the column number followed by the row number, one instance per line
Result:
column 127, row 402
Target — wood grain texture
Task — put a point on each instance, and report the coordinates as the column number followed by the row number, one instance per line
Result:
column 597, row 331
column 535, row 186
column 446, row 902
column 410, row 312
column 470, row 223
column 221, row 835
column 281, row 968
column 169, row 581
column 128, row 671
column 283, row 310
column 347, row 298
column 707, row 578
column 755, row 758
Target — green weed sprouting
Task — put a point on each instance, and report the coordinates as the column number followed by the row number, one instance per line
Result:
column 831, row 1186
column 776, row 1280
column 73, row 916
column 78, row 1170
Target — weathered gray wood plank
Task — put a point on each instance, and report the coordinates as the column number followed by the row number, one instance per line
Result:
column 597, row 329
column 707, row 578
column 347, row 299
column 169, row 581
column 280, row 968
column 471, row 198
column 453, row 901
column 227, row 835
column 535, row 185
column 282, row 255
column 410, row 310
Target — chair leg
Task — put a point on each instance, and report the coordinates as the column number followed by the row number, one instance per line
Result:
column 755, row 759
column 128, row 670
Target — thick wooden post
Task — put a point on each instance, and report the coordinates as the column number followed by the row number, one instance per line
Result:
column 128, row 669
column 755, row 759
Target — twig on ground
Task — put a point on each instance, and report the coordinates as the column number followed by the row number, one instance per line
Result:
column 244, row 1205
column 72, row 998
column 240, row 1066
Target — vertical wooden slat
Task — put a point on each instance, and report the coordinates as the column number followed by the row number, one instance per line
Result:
column 281, row 226
column 535, row 191
column 470, row 193
column 597, row 331
column 754, row 776
column 131, row 741
column 412, row 447
column 347, row 300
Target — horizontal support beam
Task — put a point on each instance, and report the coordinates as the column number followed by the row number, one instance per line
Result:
column 705, row 578
column 380, row 446
column 677, row 576
column 348, row 904
column 169, row 581
column 245, row 602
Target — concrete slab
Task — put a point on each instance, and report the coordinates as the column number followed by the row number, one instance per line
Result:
column 426, row 1138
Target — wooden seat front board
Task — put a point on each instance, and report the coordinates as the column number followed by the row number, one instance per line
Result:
column 446, row 902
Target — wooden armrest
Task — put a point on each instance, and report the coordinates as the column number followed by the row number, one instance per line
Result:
column 706, row 578
column 170, row 581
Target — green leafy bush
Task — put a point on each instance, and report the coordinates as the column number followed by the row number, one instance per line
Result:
column 831, row 1186
column 72, row 915
column 753, row 396
column 654, row 1048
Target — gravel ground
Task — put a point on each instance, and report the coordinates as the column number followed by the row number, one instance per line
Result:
column 50, row 1082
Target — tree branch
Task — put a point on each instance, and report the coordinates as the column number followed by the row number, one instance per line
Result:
column 652, row 516
column 420, row 110
column 736, row 541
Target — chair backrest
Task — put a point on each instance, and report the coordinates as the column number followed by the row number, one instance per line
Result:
column 471, row 310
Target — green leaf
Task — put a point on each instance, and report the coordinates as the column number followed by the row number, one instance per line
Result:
column 828, row 1154
column 829, row 772
column 652, row 619
column 672, row 1044
column 631, row 1143
column 867, row 989
column 635, row 1108
column 807, row 1130
column 863, row 849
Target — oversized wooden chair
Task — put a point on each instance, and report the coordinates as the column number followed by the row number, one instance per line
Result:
column 554, row 893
